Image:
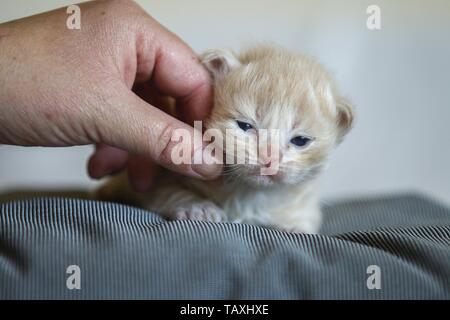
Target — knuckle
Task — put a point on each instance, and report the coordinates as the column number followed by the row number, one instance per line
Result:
column 124, row 13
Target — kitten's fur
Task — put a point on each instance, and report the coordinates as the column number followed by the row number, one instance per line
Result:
column 270, row 88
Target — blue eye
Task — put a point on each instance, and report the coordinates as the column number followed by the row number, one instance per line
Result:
column 244, row 125
column 301, row 141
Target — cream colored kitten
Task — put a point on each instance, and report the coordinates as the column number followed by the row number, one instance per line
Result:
column 264, row 87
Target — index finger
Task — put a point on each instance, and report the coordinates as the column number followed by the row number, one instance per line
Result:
column 177, row 72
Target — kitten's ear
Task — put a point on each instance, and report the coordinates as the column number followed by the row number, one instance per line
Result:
column 219, row 62
column 345, row 117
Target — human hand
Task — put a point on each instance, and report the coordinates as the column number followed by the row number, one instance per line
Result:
column 62, row 87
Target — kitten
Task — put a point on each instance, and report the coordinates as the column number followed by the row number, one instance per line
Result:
column 264, row 87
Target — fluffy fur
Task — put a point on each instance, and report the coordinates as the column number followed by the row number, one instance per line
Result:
column 269, row 88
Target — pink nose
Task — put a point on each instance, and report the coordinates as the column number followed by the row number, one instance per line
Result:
column 266, row 162
column 268, row 157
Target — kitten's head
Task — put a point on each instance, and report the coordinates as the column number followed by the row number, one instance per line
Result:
column 271, row 88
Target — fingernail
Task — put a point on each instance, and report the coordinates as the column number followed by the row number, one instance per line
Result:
column 95, row 169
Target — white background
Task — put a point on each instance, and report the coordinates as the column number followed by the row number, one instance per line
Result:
column 398, row 77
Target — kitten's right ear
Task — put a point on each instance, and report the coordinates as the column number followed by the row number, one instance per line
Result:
column 219, row 62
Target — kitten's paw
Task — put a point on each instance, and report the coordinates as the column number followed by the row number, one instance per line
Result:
column 202, row 211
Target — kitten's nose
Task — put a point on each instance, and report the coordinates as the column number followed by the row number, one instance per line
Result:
column 268, row 157
column 266, row 162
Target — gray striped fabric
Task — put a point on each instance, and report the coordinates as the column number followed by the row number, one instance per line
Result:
column 128, row 253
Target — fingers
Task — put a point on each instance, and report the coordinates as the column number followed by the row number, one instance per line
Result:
column 141, row 172
column 132, row 124
column 106, row 160
column 177, row 72
column 192, row 107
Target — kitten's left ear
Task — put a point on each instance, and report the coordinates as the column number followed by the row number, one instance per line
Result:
column 219, row 62
column 345, row 117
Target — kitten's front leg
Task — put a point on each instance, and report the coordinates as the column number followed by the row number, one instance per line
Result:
column 176, row 202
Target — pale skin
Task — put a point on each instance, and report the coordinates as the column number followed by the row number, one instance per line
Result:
column 97, row 85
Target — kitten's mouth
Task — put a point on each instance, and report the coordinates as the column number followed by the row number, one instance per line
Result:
column 277, row 177
column 253, row 174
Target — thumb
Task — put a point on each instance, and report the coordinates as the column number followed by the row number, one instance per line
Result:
column 140, row 128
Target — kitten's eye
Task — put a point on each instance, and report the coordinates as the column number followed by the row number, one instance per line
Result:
column 301, row 141
column 244, row 125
